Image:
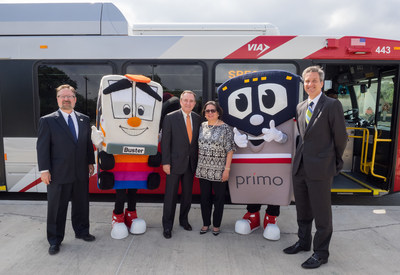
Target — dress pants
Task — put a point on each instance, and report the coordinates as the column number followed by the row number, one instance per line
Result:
column 58, row 197
column 313, row 201
column 171, row 197
column 206, row 201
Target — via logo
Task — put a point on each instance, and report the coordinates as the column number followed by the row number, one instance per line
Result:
column 257, row 47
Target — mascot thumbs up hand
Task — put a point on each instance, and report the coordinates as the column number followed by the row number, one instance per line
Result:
column 273, row 134
column 240, row 139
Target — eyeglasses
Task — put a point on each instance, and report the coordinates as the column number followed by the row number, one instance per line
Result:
column 210, row 111
column 66, row 96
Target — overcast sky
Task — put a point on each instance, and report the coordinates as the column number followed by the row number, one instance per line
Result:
column 371, row 18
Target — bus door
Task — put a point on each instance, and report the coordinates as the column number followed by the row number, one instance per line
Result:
column 367, row 95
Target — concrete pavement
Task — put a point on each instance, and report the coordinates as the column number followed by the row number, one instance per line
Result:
column 366, row 240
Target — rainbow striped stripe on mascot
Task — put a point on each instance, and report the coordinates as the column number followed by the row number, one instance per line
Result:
column 261, row 107
column 128, row 122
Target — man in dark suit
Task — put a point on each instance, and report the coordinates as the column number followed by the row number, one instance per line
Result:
column 179, row 149
column 318, row 158
column 66, row 158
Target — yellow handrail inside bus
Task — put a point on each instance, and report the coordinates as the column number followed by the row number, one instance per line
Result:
column 376, row 140
column 365, row 166
column 364, row 147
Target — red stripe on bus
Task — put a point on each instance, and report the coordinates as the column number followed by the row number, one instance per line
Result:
column 259, row 46
column 29, row 186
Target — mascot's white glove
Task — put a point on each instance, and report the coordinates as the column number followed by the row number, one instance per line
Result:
column 240, row 139
column 97, row 137
column 273, row 134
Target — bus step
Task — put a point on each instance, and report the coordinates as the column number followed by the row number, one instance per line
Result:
column 348, row 183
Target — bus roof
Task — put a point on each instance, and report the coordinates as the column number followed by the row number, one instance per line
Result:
column 38, row 19
column 62, row 19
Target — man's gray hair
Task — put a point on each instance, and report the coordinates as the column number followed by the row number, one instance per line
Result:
column 314, row 69
column 188, row 92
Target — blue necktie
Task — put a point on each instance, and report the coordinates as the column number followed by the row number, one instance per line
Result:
column 309, row 112
column 72, row 128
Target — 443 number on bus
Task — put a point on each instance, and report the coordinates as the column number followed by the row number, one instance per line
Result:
column 383, row 49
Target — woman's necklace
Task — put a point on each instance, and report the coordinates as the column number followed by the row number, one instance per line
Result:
column 212, row 126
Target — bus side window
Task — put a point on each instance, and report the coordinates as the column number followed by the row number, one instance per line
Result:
column 174, row 78
column 85, row 78
column 386, row 102
column 366, row 96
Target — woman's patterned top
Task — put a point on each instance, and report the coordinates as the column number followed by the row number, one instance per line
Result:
column 214, row 144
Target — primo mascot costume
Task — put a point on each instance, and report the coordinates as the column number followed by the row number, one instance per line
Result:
column 128, row 122
column 261, row 107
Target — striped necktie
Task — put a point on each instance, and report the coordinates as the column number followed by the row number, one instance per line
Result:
column 309, row 112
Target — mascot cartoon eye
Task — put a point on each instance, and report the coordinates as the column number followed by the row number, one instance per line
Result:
column 140, row 110
column 127, row 109
column 268, row 99
column 145, row 104
column 239, row 103
column 121, row 103
column 272, row 98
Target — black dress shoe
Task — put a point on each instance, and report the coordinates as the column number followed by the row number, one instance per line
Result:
column 87, row 238
column 294, row 249
column 216, row 232
column 314, row 261
column 187, row 227
column 167, row 233
column 204, row 231
column 54, row 249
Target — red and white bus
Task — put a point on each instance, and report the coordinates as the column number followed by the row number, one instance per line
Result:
column 44, row 45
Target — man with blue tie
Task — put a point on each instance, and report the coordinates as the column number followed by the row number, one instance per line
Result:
column 65, row 158
column 318, row 158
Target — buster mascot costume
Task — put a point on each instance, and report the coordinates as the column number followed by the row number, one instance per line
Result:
column 128, row 122
column 261, row 107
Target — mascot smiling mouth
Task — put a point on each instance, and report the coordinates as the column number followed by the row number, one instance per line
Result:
column 133, row 132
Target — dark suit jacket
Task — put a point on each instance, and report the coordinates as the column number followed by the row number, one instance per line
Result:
column 175, row 147
column 322, row 143
column 57, row 152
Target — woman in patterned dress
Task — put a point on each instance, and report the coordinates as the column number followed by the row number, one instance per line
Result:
column 216, row 147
